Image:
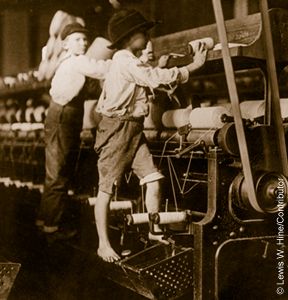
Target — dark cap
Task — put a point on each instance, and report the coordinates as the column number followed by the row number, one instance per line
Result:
column 125, row 22
column 72, row 28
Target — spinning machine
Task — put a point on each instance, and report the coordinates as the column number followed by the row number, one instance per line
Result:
column 226, row 173
column 225, row 168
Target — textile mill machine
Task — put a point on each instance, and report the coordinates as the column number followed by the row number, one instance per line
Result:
column 226, row 172
column 225, row 167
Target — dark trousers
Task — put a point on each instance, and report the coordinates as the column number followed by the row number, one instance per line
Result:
column 63, row 126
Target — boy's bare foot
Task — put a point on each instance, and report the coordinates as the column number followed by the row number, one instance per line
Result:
column 108, row 254
column 158, row 238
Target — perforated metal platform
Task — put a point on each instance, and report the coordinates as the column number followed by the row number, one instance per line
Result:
column 8, row 273
column 158, row 272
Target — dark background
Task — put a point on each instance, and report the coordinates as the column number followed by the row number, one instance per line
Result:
column 24, row 24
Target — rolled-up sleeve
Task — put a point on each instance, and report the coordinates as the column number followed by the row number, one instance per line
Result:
column 184, row 74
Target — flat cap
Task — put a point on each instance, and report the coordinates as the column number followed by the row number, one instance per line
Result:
column 72, row 28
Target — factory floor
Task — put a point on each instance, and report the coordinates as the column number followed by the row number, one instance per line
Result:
column 70, row 270
column 52, row 270
column 55, row 272
column 61, row 272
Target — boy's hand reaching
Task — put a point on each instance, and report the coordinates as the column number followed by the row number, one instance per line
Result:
column 147, row 54
column 199, row 57
column 163, row 61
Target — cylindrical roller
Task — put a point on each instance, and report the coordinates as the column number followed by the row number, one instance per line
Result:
column 227, row 139
column 15, row 126
column 208, row 137
column 37, row 126
column 5, row 127
column 118, row 205
column 252, row 109
column 114, row 205
column 176, row 118
column 169, row 217
column 208, row 43
column 39, row 114
column 139, row 218
column 21, row 126
column 256, row 108
column 207, row 117
column 20, row 115
column 29, row 114
column 226, row 105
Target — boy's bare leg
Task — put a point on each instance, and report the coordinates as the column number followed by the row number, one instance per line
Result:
column 153, row 198
column 101, row 209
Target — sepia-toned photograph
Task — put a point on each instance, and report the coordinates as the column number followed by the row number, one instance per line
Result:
column 143, row 149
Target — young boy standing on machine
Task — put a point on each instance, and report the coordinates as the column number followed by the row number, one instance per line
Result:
column 120, row 141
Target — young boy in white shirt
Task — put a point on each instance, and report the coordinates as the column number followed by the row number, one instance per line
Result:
column 63, row 125
column 120, row 141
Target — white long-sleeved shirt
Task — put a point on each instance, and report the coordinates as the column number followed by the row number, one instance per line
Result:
column 124, row 90
column 70, row 76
